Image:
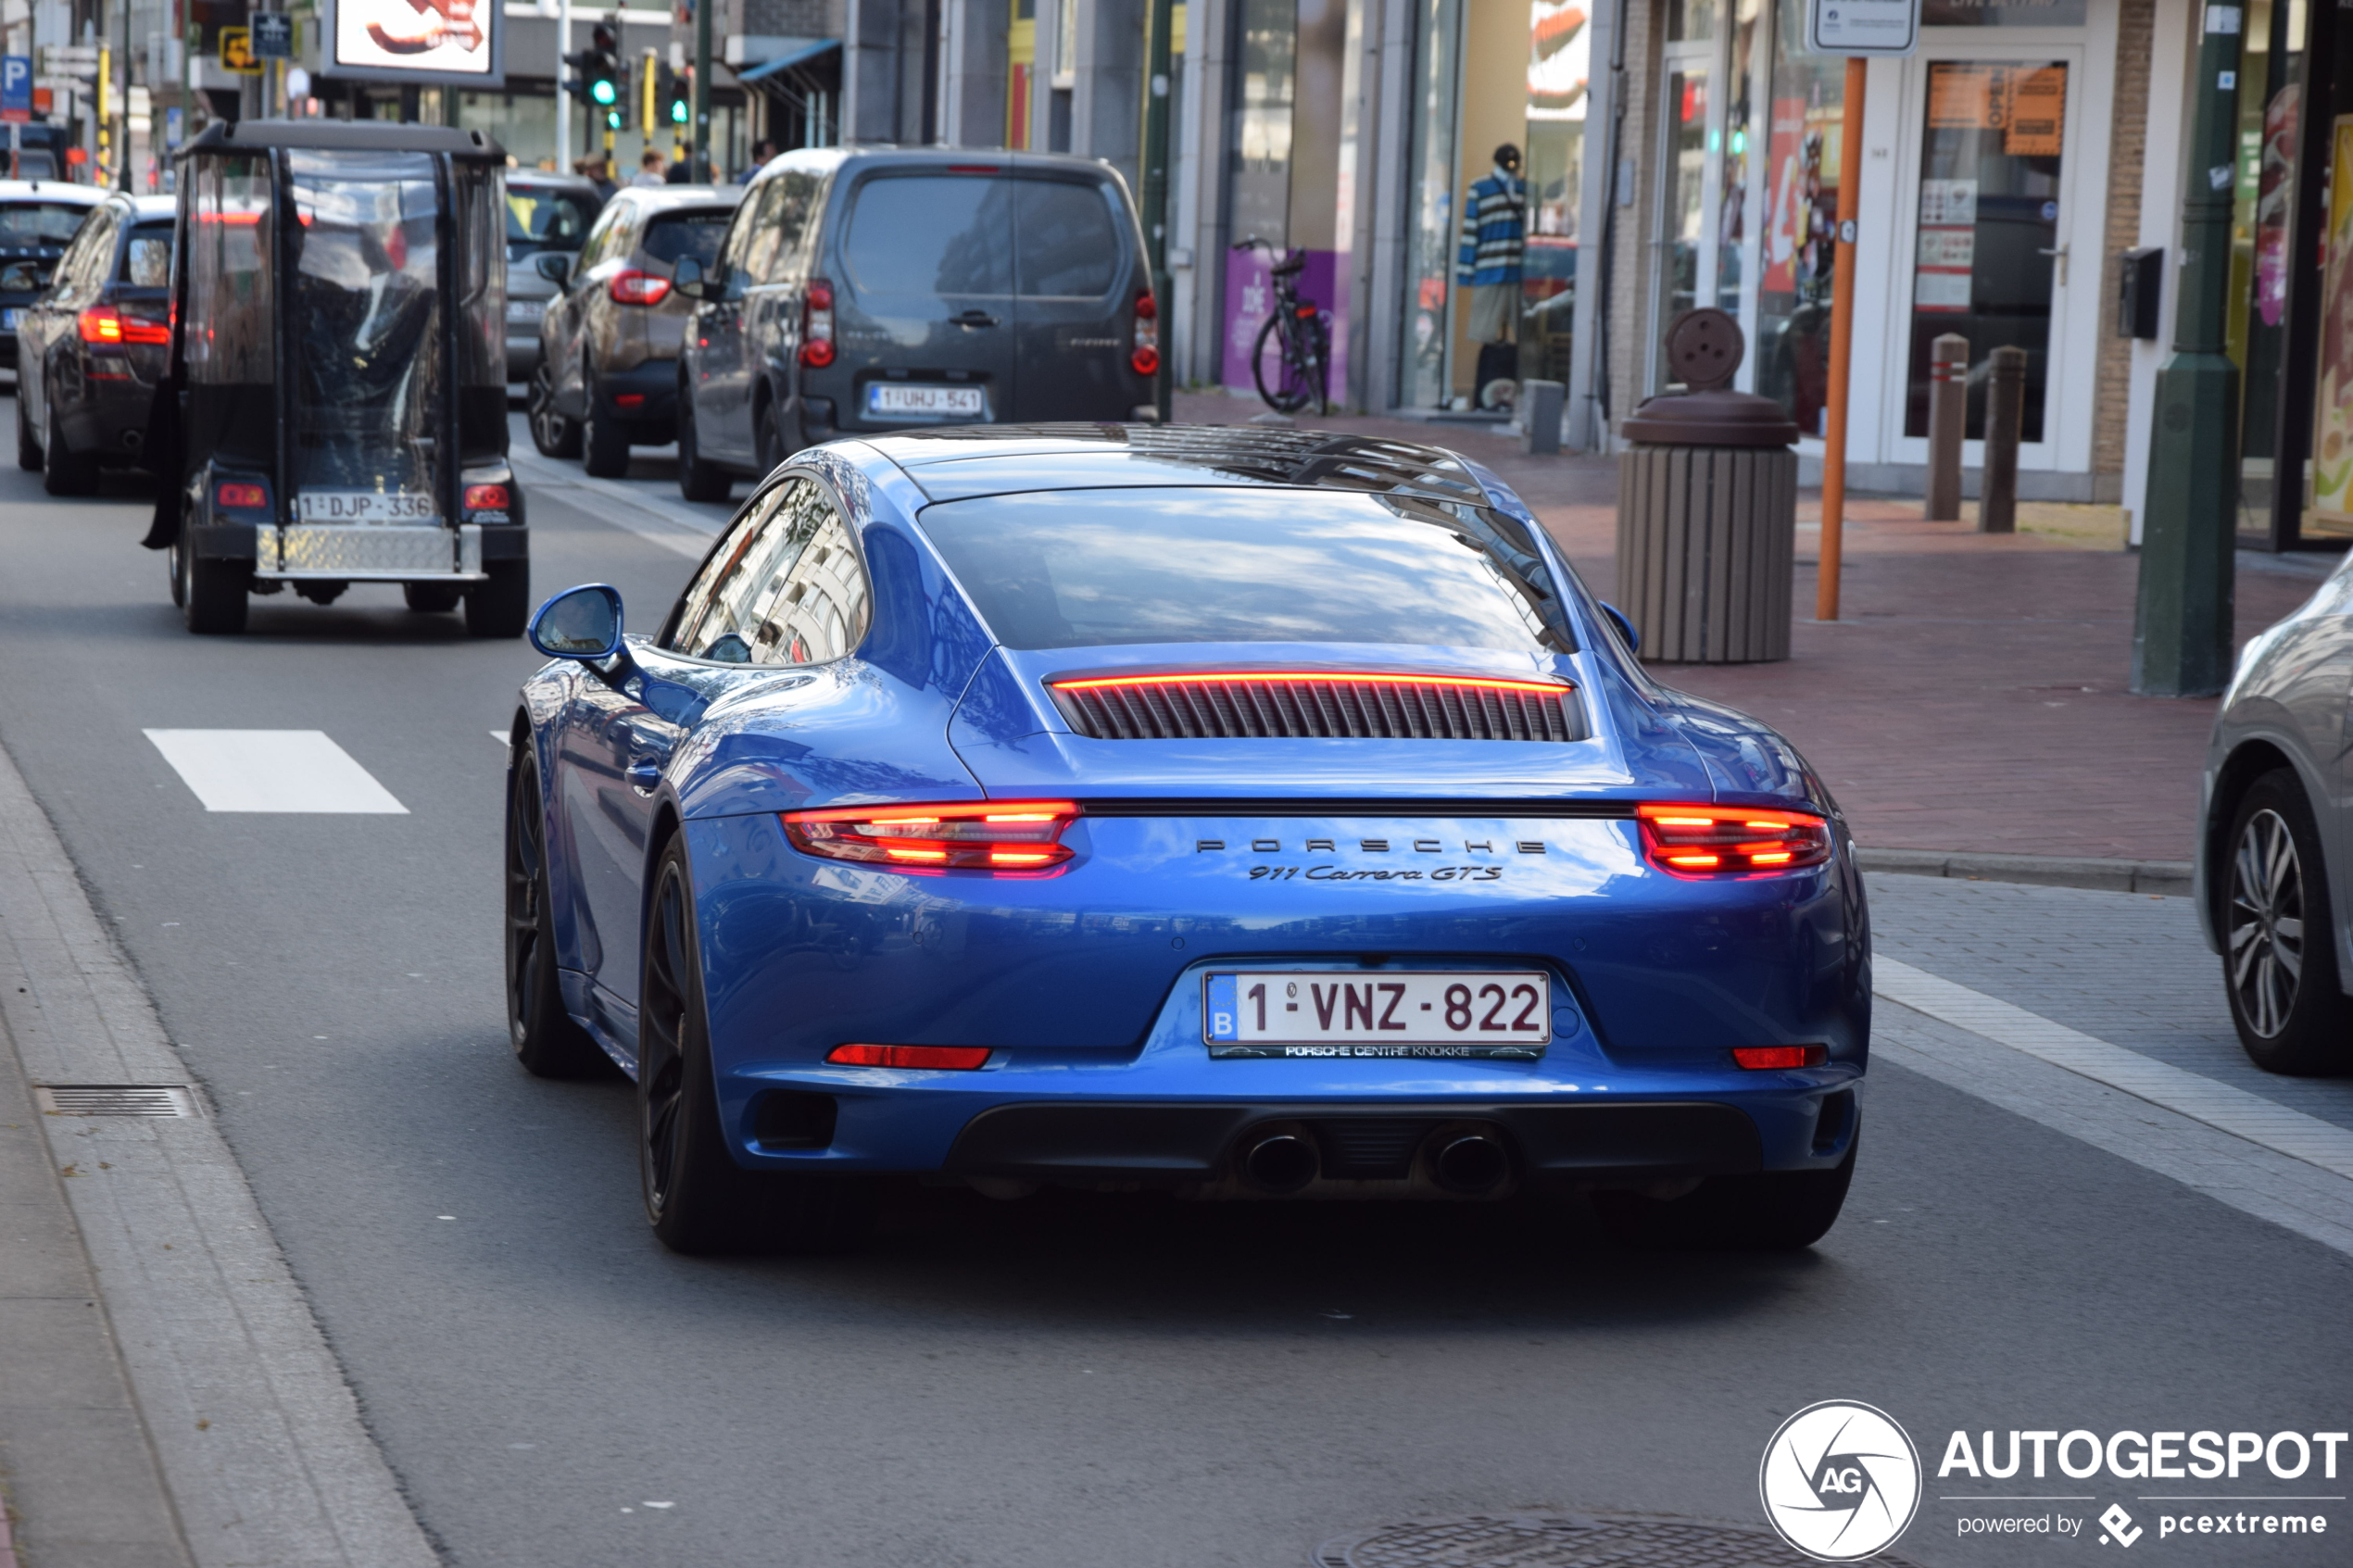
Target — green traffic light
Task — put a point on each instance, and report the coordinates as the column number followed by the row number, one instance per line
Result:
column 613, row 120
column 602, row 91
column 678, row 113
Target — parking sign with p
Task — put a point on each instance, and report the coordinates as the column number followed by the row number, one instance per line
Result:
column 16, row 88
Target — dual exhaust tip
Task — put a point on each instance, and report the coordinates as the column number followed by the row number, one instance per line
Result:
column 1465, row 1161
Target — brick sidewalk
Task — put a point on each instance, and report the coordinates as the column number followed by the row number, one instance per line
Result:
column 1972, row 695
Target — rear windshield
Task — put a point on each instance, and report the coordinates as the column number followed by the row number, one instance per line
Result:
column 694, row 233
column 984, row 234
column 540, row 219
column 147, row 260
column 1107, row 567
column 33, row 225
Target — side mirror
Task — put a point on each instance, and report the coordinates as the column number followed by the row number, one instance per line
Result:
column 1625, row 628
column 553, row 265
column 582, row 624
column 22, row 277
column 685, row 278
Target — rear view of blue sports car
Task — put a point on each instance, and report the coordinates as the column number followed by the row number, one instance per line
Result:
column 1249, row 814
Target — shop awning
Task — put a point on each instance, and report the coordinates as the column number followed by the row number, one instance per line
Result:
column 805, row 51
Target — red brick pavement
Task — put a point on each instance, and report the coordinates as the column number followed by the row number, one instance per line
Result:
column 1972, row 695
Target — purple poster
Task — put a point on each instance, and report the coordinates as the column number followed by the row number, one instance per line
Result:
column 1250, row 299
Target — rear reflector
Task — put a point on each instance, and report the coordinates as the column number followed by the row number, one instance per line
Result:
column 1730, row 840
column 1762, row 1058
column 1008, row 837
column 954, row 1059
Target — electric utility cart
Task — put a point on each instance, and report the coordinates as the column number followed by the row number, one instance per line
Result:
column 336, row 409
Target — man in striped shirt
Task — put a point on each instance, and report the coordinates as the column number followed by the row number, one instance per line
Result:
column 1493, row 242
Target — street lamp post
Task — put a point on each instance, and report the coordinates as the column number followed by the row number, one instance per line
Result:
column 702, row 90
column 2182, row 625
column 1154, row 195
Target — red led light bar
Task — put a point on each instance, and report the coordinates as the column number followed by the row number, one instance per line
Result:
column 1003, row 836
column 1550, row 688
column 1730, row 840
column 1764, row 1058
column 954, row 1059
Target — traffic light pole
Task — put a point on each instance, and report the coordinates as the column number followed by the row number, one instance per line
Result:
column 1155, row 192
column 2181, row 631
column 563, row 89
column 701, row 172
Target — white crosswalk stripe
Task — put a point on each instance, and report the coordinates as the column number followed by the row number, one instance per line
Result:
column 278, row 770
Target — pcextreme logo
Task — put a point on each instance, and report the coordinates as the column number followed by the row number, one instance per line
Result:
column 1840, row 1481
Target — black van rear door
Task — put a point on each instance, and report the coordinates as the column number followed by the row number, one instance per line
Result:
column 924, row 310
column 1075, row 326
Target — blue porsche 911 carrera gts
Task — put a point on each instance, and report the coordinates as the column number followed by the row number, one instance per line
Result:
column 1249, row 814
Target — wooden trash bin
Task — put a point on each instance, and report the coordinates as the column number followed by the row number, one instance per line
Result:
column 1707, row 509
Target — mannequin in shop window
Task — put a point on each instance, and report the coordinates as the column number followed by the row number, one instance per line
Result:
column 1494, row 243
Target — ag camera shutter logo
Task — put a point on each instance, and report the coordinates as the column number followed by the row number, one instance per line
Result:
column 1840, row 1481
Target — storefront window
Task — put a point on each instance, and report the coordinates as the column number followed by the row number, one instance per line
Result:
column 1792, row 334
column 1684, row 200
column 2270, row 100
column 1429, row 239
column 1988, row 226
column 1732, row 263
column 1558, row 53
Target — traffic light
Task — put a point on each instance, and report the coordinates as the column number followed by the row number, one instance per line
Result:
column 600, row 68
column 675, row 91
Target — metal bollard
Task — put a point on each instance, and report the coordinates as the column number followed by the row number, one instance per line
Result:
column 2005, row 412
column 1539, row 415
column 1947, row 423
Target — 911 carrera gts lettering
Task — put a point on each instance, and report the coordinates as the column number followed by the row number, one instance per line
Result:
column 1337, row 873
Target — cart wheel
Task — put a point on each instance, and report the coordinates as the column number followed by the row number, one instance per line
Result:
column 551, row 432
column 605, row 440
column 64, row 471
column 212, row 593
column 502, row 607
column 430, row 598
column 173, row 568
column 28, row 447
column 698, row 479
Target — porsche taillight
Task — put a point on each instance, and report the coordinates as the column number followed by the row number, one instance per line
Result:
column 817, row 324
column 1002, row 837
column 1730, row 840
column 1145, row 359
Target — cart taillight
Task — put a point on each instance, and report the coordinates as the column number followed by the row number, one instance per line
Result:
column 488, row 498
column 241, row 495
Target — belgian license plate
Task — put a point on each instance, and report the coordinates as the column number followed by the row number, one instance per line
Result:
column 365, row 505
column 898, row 397
column 1359, row 1013
column 8, row 320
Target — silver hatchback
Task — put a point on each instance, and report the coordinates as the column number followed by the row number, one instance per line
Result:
column 2275, row 837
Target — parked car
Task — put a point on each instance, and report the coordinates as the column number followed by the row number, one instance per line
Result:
column 608, row 372
column 2274, row 867
column 946, row 825
column 546, row 215
column 37, row 221
column 91, row 349
column 873, row 290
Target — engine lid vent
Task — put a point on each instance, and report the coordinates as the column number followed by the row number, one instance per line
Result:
column 1303, row 705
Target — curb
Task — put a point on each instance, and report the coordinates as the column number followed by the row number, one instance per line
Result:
column 2168, row 878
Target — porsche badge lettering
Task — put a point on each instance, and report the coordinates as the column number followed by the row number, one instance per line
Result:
column 1326, row 871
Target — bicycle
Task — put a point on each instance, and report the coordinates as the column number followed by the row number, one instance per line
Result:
column 1299, row 365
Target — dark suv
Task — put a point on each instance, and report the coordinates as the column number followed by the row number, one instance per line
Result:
column 870, row 290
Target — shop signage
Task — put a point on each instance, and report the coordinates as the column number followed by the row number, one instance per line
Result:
column 455, row 42
column 236, row 51
column 1863, row 27
column 2001, row 13
column 273, row 35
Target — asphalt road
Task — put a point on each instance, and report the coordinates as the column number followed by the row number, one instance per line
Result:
column 1055, row 1382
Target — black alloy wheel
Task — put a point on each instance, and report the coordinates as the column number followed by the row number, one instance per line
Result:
column 2279, row 948
column 1771, row 1212
column 552, row 432
column 699, row 479
column 64, row 471
column 604, row 439
column 28, row 444
column 698, row 1199
column 547, row 1040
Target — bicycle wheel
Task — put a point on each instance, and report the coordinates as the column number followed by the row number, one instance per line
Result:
column 1275, row 365
column 1314, row 341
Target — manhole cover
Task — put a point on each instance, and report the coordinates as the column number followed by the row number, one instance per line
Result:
column 114, row 1099
column 1564, row 1541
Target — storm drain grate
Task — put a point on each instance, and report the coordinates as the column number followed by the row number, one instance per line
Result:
column 114, row 1099
column 1564, row 1541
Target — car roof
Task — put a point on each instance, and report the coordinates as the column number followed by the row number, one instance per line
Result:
column 149, row 207
column 885, row 156
column 680, row 198
column 963, row 461
column 548, row 177
column 344, row 136
column 50, row 191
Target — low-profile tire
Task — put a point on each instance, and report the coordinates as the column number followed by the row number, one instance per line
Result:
column 776, row 443
column 604, row 439
column 554, row 433
column 547, row 1040
column 698, row 479
column 500, row 605
column 1771, row 1212
column 64, row 471
column 2279, row 948
column 697, row 1198
column 28, row 443
column 212, row 595
column 431, row 598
